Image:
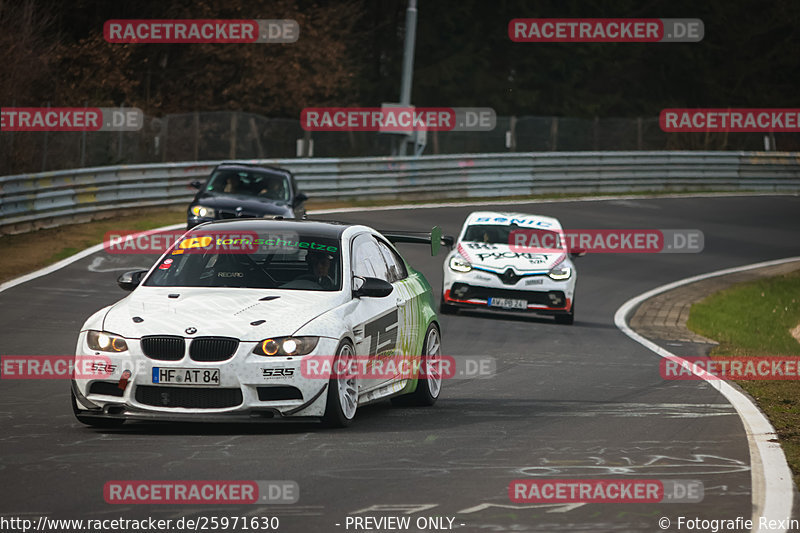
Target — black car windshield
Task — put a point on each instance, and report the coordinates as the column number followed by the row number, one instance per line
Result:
column 274, row 260
column 249, row 183
column 513, row 235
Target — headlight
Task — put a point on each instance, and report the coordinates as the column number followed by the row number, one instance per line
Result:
column 560, row 273
column 106, row 342
column 286, row 346
column 203, row 211
column 459, row 264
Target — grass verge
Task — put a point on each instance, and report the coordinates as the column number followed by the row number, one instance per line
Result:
column 755, row 319
column 31, row 251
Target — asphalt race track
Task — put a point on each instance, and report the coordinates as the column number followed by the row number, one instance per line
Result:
column 567, row 401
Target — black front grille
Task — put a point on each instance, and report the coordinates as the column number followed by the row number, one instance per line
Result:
column 233, row 214
column 190, row 397
column 107, row 388
column 462, row 291
column 278, row 392
column 213, row 348
column 165, row 348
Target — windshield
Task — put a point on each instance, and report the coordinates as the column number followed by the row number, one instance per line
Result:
column 513, row 235
column 249, row 183
column 276, row 260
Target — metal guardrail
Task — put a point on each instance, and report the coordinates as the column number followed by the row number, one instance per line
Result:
column 32, row 201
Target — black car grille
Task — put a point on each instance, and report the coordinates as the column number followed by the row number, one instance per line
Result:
column 189, row 397
column 224, row 214
column 106, row 388
column 164, row 348
column 279, row 392
column 213, row 348
column 462, row 291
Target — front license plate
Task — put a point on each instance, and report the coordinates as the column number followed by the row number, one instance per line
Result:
column 185, row 376
column 508, row 303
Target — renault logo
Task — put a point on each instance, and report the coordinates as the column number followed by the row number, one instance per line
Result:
column 509, row 277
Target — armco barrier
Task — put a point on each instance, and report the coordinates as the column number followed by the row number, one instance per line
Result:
column 31, row 201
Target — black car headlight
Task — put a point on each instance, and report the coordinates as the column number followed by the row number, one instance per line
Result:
column 560, row 272
column 286, row 346
column 106, row 342
column 203, row 211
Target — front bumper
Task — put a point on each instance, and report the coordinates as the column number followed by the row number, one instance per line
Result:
column 476, row 288
column 251, row 387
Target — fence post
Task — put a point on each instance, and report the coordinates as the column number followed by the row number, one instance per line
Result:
column 554, row 134
column 119, row 139
column 254, row 133
column 44, row 151
column 639, row 139
column 232, row 151
column 512, row 133
column 196, row 124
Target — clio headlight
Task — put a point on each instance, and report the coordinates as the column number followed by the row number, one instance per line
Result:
column 281, row 346
column 106, row 342
column 560, row 272
column 203, row 211
column 459, row 264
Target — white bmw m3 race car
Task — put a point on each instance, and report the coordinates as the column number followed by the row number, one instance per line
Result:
column 227, row 323
column 511, row 262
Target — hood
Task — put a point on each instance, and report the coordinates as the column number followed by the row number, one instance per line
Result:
column 249, row 204
column 217, row 312
column 499, row 257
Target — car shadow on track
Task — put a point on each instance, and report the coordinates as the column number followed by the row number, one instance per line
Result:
column 382, row 418
column 536, row 319
column 497, row 315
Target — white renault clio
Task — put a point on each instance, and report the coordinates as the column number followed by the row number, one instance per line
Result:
column 511, row 262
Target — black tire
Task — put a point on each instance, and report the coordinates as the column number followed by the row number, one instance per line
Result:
column 94, row 421
column 336, row 416
column 567, row 318
column 447, row 309
column 429, row 387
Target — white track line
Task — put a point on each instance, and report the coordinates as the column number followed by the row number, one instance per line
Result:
column 772, row 484
column 71, row 259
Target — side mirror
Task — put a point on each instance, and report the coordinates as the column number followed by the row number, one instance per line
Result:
column 577, row 252
column 371, row 288
column 197, row 184
column 299, row 199
column 130, row 280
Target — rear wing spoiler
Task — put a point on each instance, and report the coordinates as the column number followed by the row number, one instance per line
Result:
column 434, row 238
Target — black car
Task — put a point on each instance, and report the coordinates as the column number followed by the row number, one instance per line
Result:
column 240, row 190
